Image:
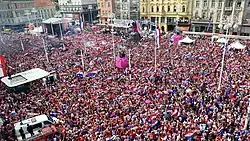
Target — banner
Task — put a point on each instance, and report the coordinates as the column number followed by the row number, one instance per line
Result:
column 3, row 67
column 121, row 62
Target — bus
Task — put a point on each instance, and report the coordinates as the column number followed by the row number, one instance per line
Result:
column 48, row 133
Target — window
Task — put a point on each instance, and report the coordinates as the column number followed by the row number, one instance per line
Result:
column 213, row 4
column 168, row 8
column 230, row 4
column 157, row 9
column 143, row 9
column 205, row 3
column 108, row 4
column 153, row 19
column 38, row 125
column 203, row 15
column 239, row 4
column 248, row 4
column 197, row 3
column 183, row 9
column 174, row 8
column 196, row 14
column 162, row 20
column 47, row 123
column 163, row 9
column 211, row 16
column 220, row 4
column 152, row 9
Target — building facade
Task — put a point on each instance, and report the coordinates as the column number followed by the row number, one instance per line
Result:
column 127, row 9
column 106, row 10
column 45, row 9
column 245, row 26
column 167, row 13
column 208, row 14
column 15, row 14
column 84, row 10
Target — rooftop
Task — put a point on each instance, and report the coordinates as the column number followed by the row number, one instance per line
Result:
column 43, row 3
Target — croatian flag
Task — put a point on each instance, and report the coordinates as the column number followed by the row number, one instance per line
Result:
column 81, row 25
column 91, row 74
column 157, row 36
column 138, row 26
column 3, row 67
column 189, row 136
column 79, row 74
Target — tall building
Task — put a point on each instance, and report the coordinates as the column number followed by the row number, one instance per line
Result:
column 106, row 10
column 127, row 9
column 167, row 13
column 45, row 8
column 245, row 26
column 86, row 10
column 208, row 14
column 15, row 14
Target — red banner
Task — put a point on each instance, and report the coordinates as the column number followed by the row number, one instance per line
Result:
column 3, row 67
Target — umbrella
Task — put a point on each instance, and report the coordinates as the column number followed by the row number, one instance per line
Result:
column 237, row 45
column 222, row 40
column 186, row 40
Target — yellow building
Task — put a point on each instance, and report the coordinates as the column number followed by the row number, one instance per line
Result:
column 167, row 13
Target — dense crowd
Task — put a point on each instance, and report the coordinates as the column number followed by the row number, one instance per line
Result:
column 179, row 101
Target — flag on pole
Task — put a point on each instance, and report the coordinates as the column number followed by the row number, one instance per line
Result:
column 138, row 26
column 3, row 67
column 81, row 25
column 157, row 36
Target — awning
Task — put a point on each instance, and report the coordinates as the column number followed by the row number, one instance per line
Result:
column 185, row 28
column 57, row 20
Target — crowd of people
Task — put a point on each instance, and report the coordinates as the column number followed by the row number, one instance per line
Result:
column 178, row 101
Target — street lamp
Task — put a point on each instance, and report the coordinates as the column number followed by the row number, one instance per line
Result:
column 228, row 22
column 110, row 20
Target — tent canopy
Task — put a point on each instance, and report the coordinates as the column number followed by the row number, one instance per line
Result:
column 221, row 40
column 186, row 40
column 57, row 20
column 237, row 45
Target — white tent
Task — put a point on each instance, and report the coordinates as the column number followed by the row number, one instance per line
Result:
column 186, row 40
column 237, row 45
column 221, row 40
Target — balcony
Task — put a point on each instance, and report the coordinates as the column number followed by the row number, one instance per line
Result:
column 77, row 8
column 199, row 20
column 238, row 8
column 229, row 8
column 246, row 22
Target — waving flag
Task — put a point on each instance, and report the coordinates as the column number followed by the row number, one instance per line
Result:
column 121, row 62
column 3, row 67
column 91, row 74
column 82, row 25
column 157, row 36
column 79, row 74
column 189, row 136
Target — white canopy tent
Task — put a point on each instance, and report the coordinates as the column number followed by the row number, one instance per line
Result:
column 222, row 40
column 237, row 45
column 186, row 40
